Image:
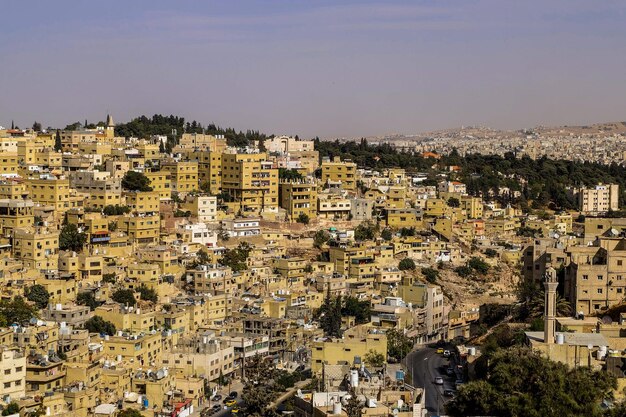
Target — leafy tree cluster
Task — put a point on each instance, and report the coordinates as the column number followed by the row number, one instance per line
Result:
column 387, row 234
column 11, row 408
column 124, row 296
column 136, row 181
column 520, row 382
column 329, row 315
column 474, row 265
column 430, row 274
column 407, row 231
column 263, row 383
column 97, row 324
column 543, row 181
column 115, row 210
column 16, row 310
column 303, row 218
column 87, row 299
column 71, row 239
column 321, row 237
column 398, row 344
column 365, row 231
column 147, row 294
column 236, row 258
column 407, row 264
column 182, row 213
column 360, row 309
column 289, row 174
column 334, row 308
column 375, row 359
column 38, row 295
column 174, row 126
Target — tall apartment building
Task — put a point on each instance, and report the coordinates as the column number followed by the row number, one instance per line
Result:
column 298, row 197
column 209, row 169
column 599, row 199
column 595, row 276
column 339, row 173
column 36, row 249
column 184, row 175
column 102, row 189
column 251, row 182
column 15, row 214
column 49, row 190
column 161, row 182
column 12, row 375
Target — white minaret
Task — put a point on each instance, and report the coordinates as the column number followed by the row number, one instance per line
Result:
column 550, row 283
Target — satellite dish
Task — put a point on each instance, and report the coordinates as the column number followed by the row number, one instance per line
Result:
column 607, row 320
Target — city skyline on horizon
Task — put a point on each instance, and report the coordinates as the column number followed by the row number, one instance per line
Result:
column 357, row 69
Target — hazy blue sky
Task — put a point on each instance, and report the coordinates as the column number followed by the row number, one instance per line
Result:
column 344, row 68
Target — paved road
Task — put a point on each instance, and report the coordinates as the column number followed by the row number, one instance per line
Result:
column 425, row 364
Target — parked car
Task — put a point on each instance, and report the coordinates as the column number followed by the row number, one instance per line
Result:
column 446, row 353
column 458, row 383
column 233, row 394
column 217, row 397
column 449, row 392
column 230, row 403
column 440, row 350
column 449, row 371
column 439, row 380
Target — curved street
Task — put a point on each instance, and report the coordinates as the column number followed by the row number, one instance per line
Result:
column 425, row 364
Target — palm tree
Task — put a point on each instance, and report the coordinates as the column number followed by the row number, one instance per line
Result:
column 536, row 306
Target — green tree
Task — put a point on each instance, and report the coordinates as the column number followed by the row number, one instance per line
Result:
column 365, row 231
column 478, row 265
column 147, row 294
column 360, row 309
column 463, row 271
column 12, row 408
column 373, row 358
column 39, row 295
column 109, row 278
column 87, row 299
column 16, row 311
column 354, row 407
column 303, row 218
column 398, row 344
column 202, row 257
column 430, row 274
column 136, row 181
column 97, row 324
column 71, row 239
column 289, row 174
column 387, row 234
column 491, row 253
column 37, row 126
column 124, row 296
column 320, row 238
column 520, row 382
column 237, row 258
column 115, row 210
column 454, row 202
column 407, row 264
column 329, row 315
column 58, row 146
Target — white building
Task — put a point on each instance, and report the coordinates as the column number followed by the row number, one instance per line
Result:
column 199, row 233
column 245, row 226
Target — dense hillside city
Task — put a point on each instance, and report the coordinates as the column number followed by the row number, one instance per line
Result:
column 163, row 267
